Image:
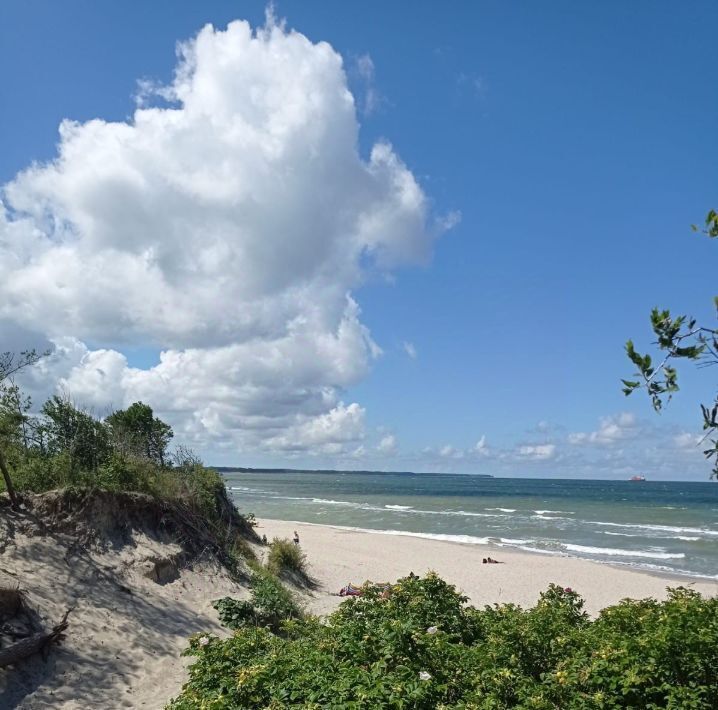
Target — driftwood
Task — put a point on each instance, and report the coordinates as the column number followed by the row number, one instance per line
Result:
column 32, row 644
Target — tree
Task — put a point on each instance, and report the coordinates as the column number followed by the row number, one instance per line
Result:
column 10, row 364
column 136, row 431
column 679, row 338
column 76, row 433
column 14, row 419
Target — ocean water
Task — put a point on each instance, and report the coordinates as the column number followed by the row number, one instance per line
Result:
column 664, row 526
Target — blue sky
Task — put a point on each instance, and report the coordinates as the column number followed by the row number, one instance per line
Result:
column 577, row 142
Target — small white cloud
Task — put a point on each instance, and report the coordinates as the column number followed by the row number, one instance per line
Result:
column 450, row 452
column 687, row 441
column 472, row 84
column 410, row 349
column 611, row 430
column 481, row 450
column 387, row 445
column 365, row 67
column 372, row 99
column 449, row 221
column 539, row 452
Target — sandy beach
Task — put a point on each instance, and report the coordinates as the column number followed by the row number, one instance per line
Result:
column 337, row 556
column 126, row 632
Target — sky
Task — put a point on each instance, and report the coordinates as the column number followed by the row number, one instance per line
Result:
column 343, row 235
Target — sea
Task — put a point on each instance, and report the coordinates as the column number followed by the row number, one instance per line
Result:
column 668, row 527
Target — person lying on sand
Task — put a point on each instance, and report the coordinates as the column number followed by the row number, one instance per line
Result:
column 491, row 561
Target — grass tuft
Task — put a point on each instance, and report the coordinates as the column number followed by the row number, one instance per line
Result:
column 284, row 556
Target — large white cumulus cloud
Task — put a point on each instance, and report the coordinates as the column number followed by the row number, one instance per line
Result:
column 228, row 226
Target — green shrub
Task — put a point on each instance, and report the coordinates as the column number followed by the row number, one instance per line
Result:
column 35, row 474
column 285, row 556
column 240, row 551
column 421, row 647
column 235, row 613
column 271, row 605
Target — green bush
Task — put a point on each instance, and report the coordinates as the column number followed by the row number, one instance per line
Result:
column 421, row 647
column 270, row 606
column 235, row 613
column 285, row 556
column 35, row 474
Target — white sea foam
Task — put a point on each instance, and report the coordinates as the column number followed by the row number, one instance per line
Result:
column 671, row 570
column 540, row 550
column 263, row 493
column 510, row 541
column 623, row 553
column 460, row 513
column 686, row 538
column 464, row 539
column 329, row 501
column 549, row 517
column 503, row 510
column 347, row 503
column 661, row 528
column 555, row 512
column 384, row 508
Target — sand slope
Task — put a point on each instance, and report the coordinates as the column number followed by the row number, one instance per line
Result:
column 126, row 632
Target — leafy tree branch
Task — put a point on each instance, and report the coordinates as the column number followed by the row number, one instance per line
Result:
column 679, row 338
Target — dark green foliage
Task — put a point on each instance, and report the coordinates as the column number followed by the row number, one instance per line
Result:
column 285, row 556
column 135, row 431
column 422, row 647
column 236, row 613
column 679, row 338
column 15, row 421
column 80, row 436
column 270, row 606
column 711, row 225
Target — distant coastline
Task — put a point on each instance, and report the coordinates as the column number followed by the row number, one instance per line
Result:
column 245, row 469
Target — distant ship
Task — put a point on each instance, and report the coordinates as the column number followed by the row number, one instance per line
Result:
column 637, row 478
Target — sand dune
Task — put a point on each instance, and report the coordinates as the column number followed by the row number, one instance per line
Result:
column 126, row 631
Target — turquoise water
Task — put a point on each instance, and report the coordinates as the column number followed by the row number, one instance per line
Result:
column 665, row 526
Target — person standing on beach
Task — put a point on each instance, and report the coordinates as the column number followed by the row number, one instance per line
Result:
column 296, row 537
